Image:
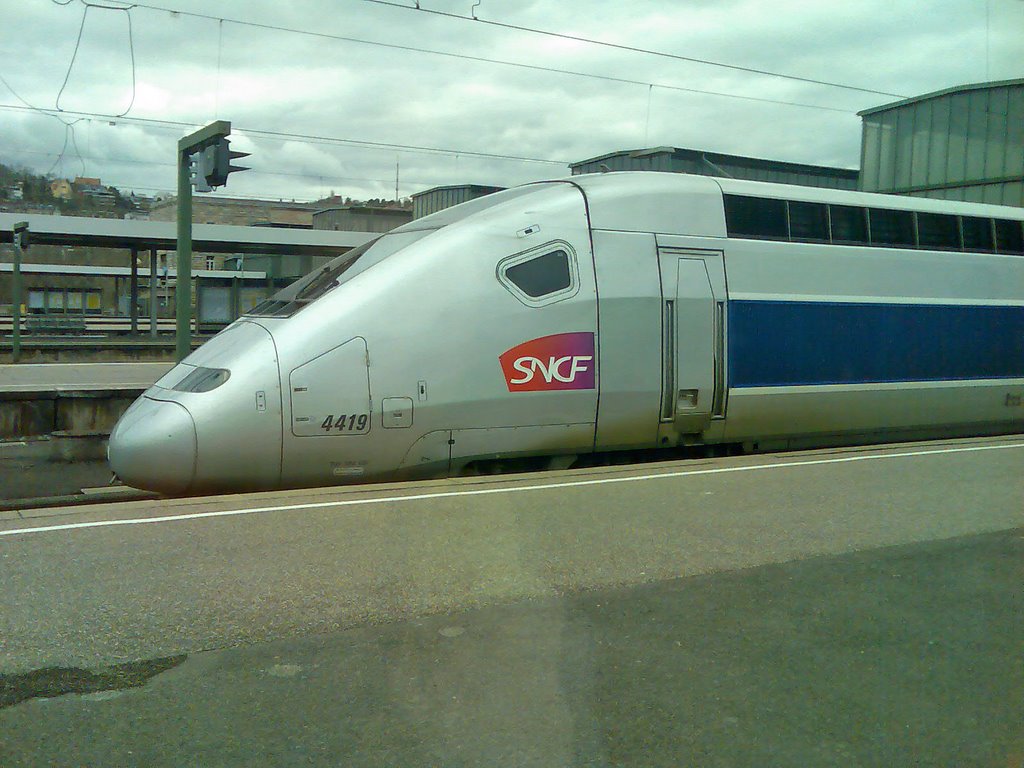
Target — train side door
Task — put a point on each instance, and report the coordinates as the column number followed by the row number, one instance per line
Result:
column 330, row 394
column 693, row 339
column 629, row 313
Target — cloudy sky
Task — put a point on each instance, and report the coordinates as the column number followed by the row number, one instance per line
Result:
column 334, row 98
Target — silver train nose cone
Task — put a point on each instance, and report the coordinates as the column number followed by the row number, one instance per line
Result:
column 153, row 447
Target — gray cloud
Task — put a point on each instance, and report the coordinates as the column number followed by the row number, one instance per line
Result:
column 295, row 83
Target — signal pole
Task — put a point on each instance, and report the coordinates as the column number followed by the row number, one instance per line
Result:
column 20, row 243
column 204, row 161
column 183, row 286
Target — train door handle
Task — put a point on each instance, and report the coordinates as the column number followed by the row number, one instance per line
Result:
column 687, row 399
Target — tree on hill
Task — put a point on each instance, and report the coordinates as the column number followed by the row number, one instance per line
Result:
column 36, row 190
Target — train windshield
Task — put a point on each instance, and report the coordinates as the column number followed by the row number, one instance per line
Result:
column 335, row 272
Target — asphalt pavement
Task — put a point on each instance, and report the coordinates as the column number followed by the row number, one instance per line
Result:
column 858, row 607
column 900, row 656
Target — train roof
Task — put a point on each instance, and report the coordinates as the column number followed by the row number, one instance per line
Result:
column 652, row 183
column 679, row 203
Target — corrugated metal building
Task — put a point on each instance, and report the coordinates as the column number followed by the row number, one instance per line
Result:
column 963, row 143
column 438, row 198
column 676, row 160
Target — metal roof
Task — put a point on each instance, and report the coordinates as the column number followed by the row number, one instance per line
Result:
column 944, row 92
column 206, row 238
column 470, row 187
column 374, row 210
column 248, row 202
column 654, row 184
column 720, row 158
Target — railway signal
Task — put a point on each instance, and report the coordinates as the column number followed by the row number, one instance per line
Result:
column 211, row 165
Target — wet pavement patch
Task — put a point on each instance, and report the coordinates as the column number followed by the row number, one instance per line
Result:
column 50, row 682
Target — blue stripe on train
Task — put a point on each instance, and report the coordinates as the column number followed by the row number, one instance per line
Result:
column 780, row 343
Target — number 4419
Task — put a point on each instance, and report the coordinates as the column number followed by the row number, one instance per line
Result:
column 355, row 422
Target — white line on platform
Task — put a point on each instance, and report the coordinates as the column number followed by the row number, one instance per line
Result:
column 512, row 489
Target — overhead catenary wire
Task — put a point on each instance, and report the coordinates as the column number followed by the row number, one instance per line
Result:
column 382, row 145
column 633, row 49
column 69, row 134
column 309, row 138
column 78, row 43
column 69, row 126
column 490, row 60
column 322, row 177
column 176, row 126
column 390, row 146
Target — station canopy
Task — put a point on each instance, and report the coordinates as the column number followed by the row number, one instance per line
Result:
column 206, row 238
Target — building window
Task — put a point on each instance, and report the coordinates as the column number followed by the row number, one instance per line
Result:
column 211, row 262
column 36, row 300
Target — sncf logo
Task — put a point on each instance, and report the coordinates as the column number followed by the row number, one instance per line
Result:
column 562, row 361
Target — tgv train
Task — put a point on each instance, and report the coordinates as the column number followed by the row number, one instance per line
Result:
column 604, row 313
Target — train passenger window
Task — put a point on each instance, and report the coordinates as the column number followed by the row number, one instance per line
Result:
column 540, row 276
column 1009, row 236
column 808, row 221
column 891, row 227
column 758, row 217
column 802, row 221
column 202, row 380
column 849, row 224
column 937, row 230
column 977, row 234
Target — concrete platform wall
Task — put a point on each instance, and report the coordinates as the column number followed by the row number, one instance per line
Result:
column 68, row 414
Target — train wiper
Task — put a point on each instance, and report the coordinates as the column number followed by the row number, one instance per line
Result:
column 308, row 289
column 327, row 280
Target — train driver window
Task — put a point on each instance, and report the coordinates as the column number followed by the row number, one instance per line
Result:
column 190, row 378
column 540, row 276
column 202, row 380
